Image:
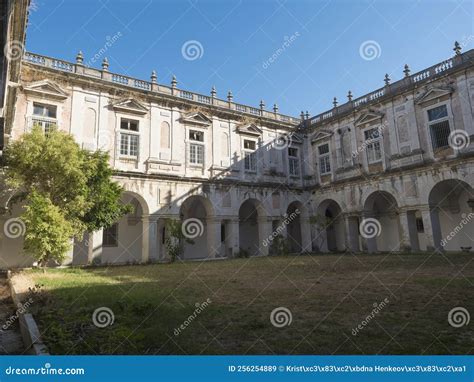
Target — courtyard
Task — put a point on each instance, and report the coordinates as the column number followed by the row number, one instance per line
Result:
column 224, row 307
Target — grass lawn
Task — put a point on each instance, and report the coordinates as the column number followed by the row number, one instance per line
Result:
column 328, row 296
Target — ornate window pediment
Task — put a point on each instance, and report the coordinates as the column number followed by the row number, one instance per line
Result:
column 369, row 116
column 46, row 89
column 433, row 93
column 196, row 118
column 295, row 138
column 321, row 135
column 249, row 129
column 130, row 106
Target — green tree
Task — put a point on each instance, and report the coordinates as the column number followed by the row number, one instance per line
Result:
column 66, row 190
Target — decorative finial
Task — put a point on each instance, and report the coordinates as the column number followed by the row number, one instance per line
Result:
column 153, row 76
column 457, row 48
column 406, row 70
column 334, row 101
column 275, row 108
column 349, row 96
column 302, row 115
column 174, row 82
column 307, row 114
column 387, row 79
column 230, row 97
column 79, row 58
column 213, row 92
column 262, row 105
column 105, row 64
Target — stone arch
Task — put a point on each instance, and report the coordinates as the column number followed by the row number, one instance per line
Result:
column 330, row 222
column 383, row 207
column 451, row 209
column 252, row 222
column 197, row 214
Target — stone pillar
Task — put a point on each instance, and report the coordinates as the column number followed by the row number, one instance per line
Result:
column 213, row 226
column 95, row 240
column 432, row 228
column 306, row 242
column 413, row 231
column 264, row 232
column 153, row 239
column 233, row 233
column 352, row 233
column 405, row 243
column 145, row 238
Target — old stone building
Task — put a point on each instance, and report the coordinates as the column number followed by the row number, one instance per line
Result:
column 389, row 171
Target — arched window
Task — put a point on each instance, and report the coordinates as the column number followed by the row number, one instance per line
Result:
column 165, row 135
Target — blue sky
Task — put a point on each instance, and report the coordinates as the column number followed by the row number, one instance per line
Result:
column 317, row 45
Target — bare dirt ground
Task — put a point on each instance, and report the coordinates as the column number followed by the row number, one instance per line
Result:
column 10, row 338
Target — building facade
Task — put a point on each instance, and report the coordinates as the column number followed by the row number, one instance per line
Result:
column 391, row 171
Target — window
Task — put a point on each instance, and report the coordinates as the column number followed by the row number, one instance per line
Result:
column 42, row 110
column 196, row 136
column 129, row 142
column 372, row 145
column 196, row 154
column 44, row 116
column 293, row 161
column 439, row 127
column 196, row 150
column 129, row 124
column 419, row 225
column 110, row 236
column 324, row 159
column 250, row 157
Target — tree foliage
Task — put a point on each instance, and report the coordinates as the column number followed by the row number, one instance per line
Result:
column 66, row 190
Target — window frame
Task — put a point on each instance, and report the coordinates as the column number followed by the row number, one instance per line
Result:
column 438, row 121
column 324, row 158
column 250, row 156
column 107, row 234
column 129, row 134
column 371, row 144
column 293, row 162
